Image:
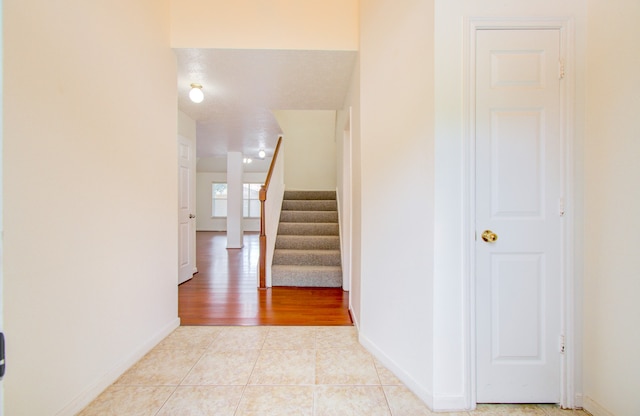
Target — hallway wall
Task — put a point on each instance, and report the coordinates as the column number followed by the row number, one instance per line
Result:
column 612, row 204
column 256, row 24
column 397, row 187
column 310, row 148
column 90, row 191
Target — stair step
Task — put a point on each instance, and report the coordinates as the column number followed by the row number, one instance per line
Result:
column 309, row 216
column 306, row 276
column 310, row 242
column 304, row 228
column 309, row 194
column 307, row 257
column 309, row 205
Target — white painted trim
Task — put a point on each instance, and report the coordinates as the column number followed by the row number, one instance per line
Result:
column 449, row 403
column 94, row 390
column 347, row 178
column 418, row 389
column 354, row 318
column 569, row 362
column 595, row 408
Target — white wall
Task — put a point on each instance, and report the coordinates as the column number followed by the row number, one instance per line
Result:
column 90, row 190
column 397, row 180
column 612, row 204
column 256, row 24
column 187, row 127
column 311, row 155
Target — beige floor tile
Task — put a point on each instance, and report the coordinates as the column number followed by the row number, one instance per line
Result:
column 345, row 366
column 271, row 371
column 223, row 368
column 285, row 367
column 276, row 401
column 161, row 367
column 350, row 401
column 240, row 338
column 203, row 401
column 555, row 410
column 337, row 337
column 508, row 409
column 404, row 403
column 387, row 378
column 128, row 401
column 185, row 337
column 290, row 338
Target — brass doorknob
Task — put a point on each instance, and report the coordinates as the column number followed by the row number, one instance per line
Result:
column 489, row 236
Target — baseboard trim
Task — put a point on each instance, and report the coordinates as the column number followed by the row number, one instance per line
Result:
column 419, row 390
column 94, row 390
column 579, row 401
column 354, row 319
column 595, row 408
column 450, row 404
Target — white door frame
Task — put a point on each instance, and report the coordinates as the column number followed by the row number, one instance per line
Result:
column 347, row 172
column 569, row 362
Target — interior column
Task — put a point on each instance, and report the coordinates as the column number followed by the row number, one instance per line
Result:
column 235, row 170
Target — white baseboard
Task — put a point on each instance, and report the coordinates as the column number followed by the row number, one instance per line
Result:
column 419, row 390
column 579, row 401
column 450, row 404
column 594, row 408
column 354, row 318
column 94, row 390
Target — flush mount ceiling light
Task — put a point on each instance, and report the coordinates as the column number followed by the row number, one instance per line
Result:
column 196, row 94
column 261, row 154
column 247, row 160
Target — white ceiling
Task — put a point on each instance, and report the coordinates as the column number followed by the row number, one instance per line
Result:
column 242, row 87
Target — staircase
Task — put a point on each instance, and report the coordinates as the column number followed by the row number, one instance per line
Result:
column 307, row 251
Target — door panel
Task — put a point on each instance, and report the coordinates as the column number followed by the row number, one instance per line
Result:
column 518, row 276
column 186, row 208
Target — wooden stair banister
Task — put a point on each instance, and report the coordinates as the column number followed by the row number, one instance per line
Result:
column 262, row 269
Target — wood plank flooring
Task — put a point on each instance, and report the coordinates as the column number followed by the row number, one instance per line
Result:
column 224, row 291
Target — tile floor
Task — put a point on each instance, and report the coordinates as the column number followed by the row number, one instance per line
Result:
column 270, row 371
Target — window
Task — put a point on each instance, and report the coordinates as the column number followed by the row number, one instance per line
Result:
column 219, row 200
column 250, row 200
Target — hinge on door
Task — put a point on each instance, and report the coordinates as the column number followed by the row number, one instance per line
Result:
column 560, row 70
column 561, row 344
column 2, row 365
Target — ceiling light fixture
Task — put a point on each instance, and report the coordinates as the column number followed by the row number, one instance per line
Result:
column 261, row 154
column 247, row 160
column 196, row 94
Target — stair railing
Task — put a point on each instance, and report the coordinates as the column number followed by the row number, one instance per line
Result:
column 277, row 167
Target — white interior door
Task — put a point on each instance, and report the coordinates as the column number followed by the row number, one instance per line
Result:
column 518, row 199
column 186, row 210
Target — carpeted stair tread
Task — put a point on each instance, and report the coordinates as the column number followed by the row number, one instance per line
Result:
column 309, row 205
column 311, row 242
column 307, row 249
column 331, row 195
column 305, row 228
column 308, row 216
column 306, row 276
column 307, row 257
